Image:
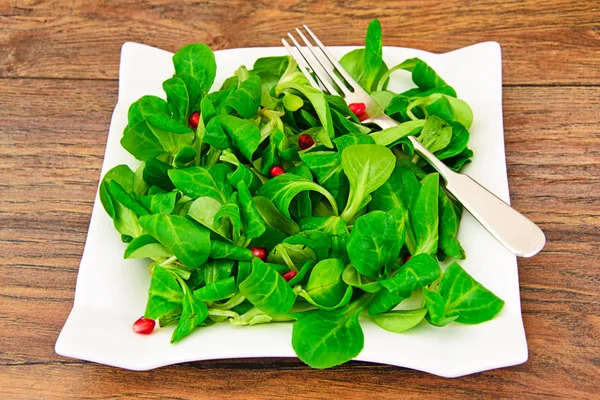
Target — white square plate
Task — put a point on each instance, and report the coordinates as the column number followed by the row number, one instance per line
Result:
column 111, row 292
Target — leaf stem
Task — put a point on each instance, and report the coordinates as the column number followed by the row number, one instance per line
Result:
column 232, row 302
column 168, row 261
column 288, row 261
column 222, row 313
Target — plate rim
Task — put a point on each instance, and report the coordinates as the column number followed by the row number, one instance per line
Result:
column 62, row 348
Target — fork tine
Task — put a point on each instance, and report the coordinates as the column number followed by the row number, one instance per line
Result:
column 304, row 67
column 315, row 66
column 325, row 64
column 357, row 88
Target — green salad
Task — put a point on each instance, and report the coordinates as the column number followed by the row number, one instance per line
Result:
column 268, row 201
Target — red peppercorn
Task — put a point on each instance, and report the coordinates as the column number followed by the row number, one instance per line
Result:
column 288, row 276
column 259, row 252
column 406, row 258
column 194, row 119
column 305, row 141
column 144, row 326
column 276, row 170
column 361, row 117
column 357, row 108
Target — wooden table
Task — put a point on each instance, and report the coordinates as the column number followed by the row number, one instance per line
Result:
column 58, row 85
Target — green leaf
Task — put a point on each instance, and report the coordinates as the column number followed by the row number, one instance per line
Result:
column 367, row 166
column 400, row 320
column 324, row 339
column 121, row 174
column 316, row 240
column 291, row 255
column 134, row 115
column 345, row 299
column 408, row 165
column 466, row 298
column 255, row 316
column 197, row 61
column 335, row 228
column 267, row 290
column 273, row 217
column 184, row 157
column 203, row 181
column 354, row 278
column 156, row 173
column 325, row 285
column 229, row 216
column 421, row 270
column 194, row 91
column 456, row 163
column 373, row 54
column 269, row 79
column 203, row 210
column 283, row 188
column 217, row 290
column 449, row 221
column 242, row 134
column 346, row 126
column 178, row 97
column 122, row 196
column 302, row 273
column 146, row 246
column 383, row 97
column 188, row 240
column 193, row 314
column 170, row 317
column 306, row 118
column 207, row 110
column 327, row 168
column 436, row 312
column 385, row 300
column 244, row 270
column 292, row 102
column 215, row 136
column 319, row 103
column 422, row 74
column 124, row 220
column 424, row 216
column 219, row 98
column 436, row 134
column 425, row 77
column 446, row 107
column 246, row 99
column 458, row 142
column 391, row 136
column 216, row 270
column 241, row 173
column 354, row 63
column 272, row 65
column 396, row 192
column 230, row 251
column 374, row 242
column 158, row 115
column 140, row 142
column 164, row 293
column 160, row 203
column 254, row 226
column 410, row 189
column 351, row 139
column 277, row 151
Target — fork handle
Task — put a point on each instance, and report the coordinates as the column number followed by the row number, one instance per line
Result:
column 516, row 232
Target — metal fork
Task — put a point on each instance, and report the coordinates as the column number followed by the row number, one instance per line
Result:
column 515, row 231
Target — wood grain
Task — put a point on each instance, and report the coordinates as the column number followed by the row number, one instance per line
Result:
column 543, row 42
column 58, row 68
